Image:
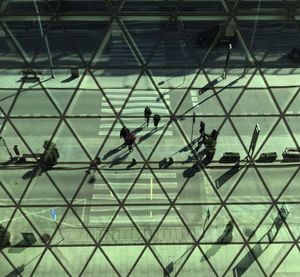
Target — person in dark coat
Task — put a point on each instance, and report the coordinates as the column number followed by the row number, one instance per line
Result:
column 156, row 119
column 129, row 140
column 147, row 114
column 124, row 132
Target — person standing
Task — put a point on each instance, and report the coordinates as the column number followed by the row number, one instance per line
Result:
column 147, row 114
column 202, row 129
column 156, row 120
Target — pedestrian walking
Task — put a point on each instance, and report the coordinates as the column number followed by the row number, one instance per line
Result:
column 129, row 140
column 202, row 134
column 202, row 129
column 147, row 114
column 124, row 132
column 156, row 119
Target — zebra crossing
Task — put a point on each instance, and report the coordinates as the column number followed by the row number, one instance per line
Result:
column 135, row 106
column 145, row 190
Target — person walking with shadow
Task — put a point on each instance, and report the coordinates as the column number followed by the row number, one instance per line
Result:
column 129, row 140
column 202, row 134
column 156, row 120
column 124, row 132
column 147, row 114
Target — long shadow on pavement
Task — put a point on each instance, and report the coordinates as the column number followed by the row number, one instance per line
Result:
column 227, row 175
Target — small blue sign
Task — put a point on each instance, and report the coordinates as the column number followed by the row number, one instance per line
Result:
column 53, row 214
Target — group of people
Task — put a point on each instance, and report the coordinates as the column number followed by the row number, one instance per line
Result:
column 209, row 140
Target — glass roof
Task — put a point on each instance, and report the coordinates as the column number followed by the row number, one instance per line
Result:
column 210, row 188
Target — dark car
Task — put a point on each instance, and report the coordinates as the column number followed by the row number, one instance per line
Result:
column 295, row 54
column 208, row 36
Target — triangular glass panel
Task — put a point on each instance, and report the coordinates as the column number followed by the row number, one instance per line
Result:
column 80, row 254
column 19, row 28
column 61, row 98
column 27, row 264
column 99, row 264
column 172, row 227
column 195, row 264
column 262, row 39
column 99, row 216
column 5, row 215
column 173, row 44
column 17, row 182
column 277, row 179
column 197, row 217
column 288, row 266
column 144, row 264
column 245, row 128
column 249, row 189
column 42, row 220
column 229, row 56
column 9, row 55
column 268, row 252
column 291, row 192
column 115, row 150
column 164, row 133
column 6, row 100
column 168, row 254
column 248, row 217
column 147, row 217
column 49, row 265
column 221, row 256
column 86, row 42
column 250, row 105
column 97, row 189
column 123, row 259
column 245, row 264
column 69, row 181
column 278, row 141
column 120, row 181
column 225, row 178
column 67, row 146
column 35, row 192
column 4, row 198
column 144, row 95
column 19, row 222
column 145, row 34
column 228, row 141
column 294, row 107
column 88, row 100
column 71, row 230
column 6, row 268
column 147, row 190
column 34, row 102
column 286, row 40
column 60, row 42
column 171, row 145
column 272, row 229
column 222, row 230
column 35, row 136
column 284, row 96
column 114, row 49
column 85, row 130
column 197, row 190
column 122, row 230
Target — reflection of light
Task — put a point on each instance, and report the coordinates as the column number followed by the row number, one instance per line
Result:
column 111, row 193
